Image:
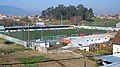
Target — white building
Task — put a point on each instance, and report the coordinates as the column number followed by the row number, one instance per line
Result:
column 115, row 58
column 116, row 44
column 84, row 42
column 118, row 25
column 2, row 16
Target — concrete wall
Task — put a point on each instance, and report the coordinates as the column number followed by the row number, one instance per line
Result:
column 42, row 49
column 17, row 41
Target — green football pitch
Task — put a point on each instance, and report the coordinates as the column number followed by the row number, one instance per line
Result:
column 23, row 35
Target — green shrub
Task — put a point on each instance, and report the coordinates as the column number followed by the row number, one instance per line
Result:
column 14, row 50
column 33, row 59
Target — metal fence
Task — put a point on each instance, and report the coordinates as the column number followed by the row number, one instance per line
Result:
column 58, row 37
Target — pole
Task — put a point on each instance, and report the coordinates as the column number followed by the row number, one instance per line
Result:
column 61, row 20
column 97, row 48
column 75, row 21
column 33, row 36
column 24, row 35
column 28, row 36
column 41, row 32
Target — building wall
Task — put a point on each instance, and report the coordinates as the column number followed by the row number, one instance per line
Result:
column 116, row 50
column 85, row 41
column 98, row 40
column 42, row 44
column 118, row 25
column 86, row 48
column 42, row 49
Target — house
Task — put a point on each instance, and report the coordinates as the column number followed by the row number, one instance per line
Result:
column 47, row 43
column 87, row 42
column 2, row 16
column 113, row 60
column 116, row 44
column 118, row 25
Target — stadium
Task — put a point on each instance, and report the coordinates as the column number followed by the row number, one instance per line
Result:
column 45, row 33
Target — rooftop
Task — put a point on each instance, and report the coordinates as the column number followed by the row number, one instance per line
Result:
column 92, row 36
column 116, row 39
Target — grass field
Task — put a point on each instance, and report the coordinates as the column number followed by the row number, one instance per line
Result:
column 23, row 35
column 95, row 22
column 103, row 22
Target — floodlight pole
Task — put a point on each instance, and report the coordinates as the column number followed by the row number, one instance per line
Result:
column 28, row 36
column 61, row 20
column 41, row 32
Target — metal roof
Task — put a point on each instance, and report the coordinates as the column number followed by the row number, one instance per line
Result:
column 110, row 58
column 117, row 64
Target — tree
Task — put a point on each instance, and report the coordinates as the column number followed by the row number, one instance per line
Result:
column 67, row 12
column 71, row 11
column 25, row 19
column 90, row 14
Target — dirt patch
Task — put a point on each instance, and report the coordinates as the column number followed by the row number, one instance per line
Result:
column 49, row 64
column 82, row 52
column 58, row 56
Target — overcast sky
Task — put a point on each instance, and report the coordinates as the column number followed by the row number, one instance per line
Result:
column 99, row 6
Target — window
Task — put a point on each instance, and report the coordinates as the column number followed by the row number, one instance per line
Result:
column 98, row 39
column 105, row 38
column 87, row 40
column 117, row 50
column 91, row 40
column 80, row 44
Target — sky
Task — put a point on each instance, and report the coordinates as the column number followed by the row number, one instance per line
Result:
column 99, row 6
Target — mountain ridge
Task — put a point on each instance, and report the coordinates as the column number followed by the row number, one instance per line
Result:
column 11, row 10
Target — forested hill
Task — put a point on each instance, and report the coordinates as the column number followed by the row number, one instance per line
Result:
column 67, row 12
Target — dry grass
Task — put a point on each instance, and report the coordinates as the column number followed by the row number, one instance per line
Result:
column 2, row 41
column 9, row 46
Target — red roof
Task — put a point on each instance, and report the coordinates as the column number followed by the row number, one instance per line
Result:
column 116, row 38
column 82, row 34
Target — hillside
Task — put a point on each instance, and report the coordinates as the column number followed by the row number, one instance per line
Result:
column 10, row 10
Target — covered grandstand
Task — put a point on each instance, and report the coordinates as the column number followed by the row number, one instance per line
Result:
column 36, row 27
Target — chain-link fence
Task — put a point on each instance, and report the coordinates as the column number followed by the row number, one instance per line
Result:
column 58, row 37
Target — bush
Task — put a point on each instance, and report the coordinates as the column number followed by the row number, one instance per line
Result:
column 8, row 42
column 33, row 59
